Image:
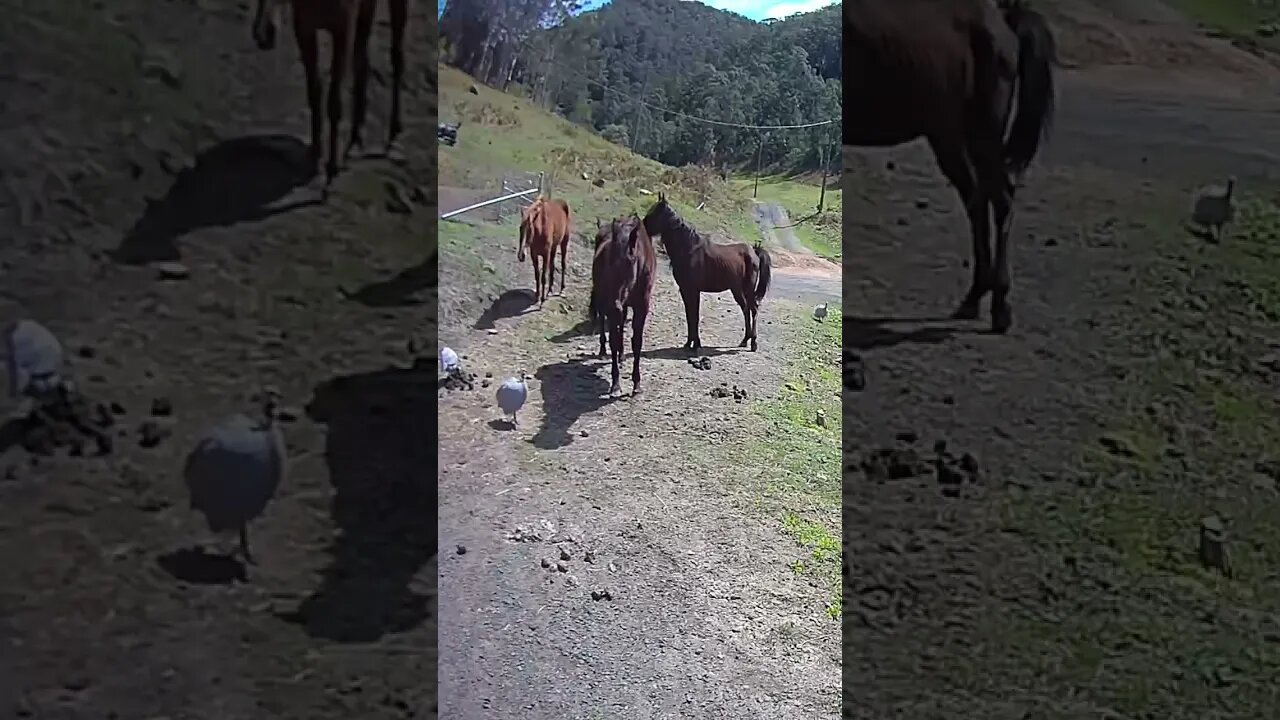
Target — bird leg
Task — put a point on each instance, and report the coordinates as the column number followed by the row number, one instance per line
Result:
column 244, row 545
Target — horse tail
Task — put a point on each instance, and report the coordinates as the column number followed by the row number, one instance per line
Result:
column 1037, row 54
column 766, row 271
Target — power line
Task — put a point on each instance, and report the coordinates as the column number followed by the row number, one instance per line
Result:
column 708, row 121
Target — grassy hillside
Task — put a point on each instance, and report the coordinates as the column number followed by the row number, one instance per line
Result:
column 502, row 134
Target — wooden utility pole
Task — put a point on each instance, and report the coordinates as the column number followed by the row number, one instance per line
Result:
column 826, row 171
column 635, row 123
column 759, row 150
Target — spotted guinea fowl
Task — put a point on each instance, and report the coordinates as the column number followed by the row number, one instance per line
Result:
column 36, row 363
column 449, row 361
column 235, row 470
column 820, row 312
column 512, row 394
column 1213, row 207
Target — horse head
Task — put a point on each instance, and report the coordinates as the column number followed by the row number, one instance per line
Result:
column 266, row 21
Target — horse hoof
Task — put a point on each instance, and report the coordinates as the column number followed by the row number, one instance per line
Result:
column 753, row 345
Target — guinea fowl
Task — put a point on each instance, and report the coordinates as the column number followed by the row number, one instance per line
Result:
column 512, row 394
column 1214, row 207
column 820, row 312
column 449, row 361
column 235, row 470
column 36, row 363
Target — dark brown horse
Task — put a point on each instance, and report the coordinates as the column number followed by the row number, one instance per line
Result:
column 701, row 266
column 622, row 276
column 349, row 24
column 955, row 72
column 544, row 227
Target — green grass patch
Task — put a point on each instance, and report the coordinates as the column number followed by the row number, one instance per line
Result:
column 1130, row 617
column 819, row 232
column 802, row 425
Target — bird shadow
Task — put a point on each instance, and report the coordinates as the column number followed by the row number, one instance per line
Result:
column 570, row 389
column 582, row 328
column 234, row 181
column 1200, row 233
column 502, row 424
column 400, row 290
column 198, row 566
column 384, row 503
column 509, row 304
column 870, row 333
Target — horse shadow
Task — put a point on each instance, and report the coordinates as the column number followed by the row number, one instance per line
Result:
column 679, row 352
column 384, row 502
column 570, row 389
column 509, row 304
column 870, row 333
column 234, row 181
column 401, row 289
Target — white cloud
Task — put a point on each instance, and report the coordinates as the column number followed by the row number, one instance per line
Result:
column 782, row 10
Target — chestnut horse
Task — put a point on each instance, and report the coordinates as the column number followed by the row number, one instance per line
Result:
column 544, row 227
column 956, row 73
column 349, row 24
column 701, row 266
column 623, row 272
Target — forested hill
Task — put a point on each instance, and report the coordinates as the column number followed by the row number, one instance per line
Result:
column 685, row 57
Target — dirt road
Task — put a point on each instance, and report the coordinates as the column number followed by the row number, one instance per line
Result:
column 706, row 618
column 1015, row 597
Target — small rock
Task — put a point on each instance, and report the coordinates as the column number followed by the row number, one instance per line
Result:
column 161, row 407
column 462, row 549
column 584, row 433
column 562, row 567
column 599, row 595
column 117, row 409
column 151, row 433
column 564, row 554
column 921, row 203
column 546, row 563
column 172, row 271
column 907, row 437
column 589, row 556
column 86, row 352
column 854, row 374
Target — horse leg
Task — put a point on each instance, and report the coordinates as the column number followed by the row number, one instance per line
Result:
column 953, row 161
column 537, row 277
column 399, row 19
column 691, row 302
column 637, row 342
column 602, row 320
column 564, row 259
column 337, row 73
column 741, row 299
column 360, row 73
column 995, row 187
column 309, row 50
column 551, row 268
column 615, row 347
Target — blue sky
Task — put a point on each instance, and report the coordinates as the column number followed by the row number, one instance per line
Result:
column 754, row 9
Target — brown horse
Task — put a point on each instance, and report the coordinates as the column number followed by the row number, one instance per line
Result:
column 955, row 72
column 622, row 276
column 701, row 266
column 349, row 24
column 544, row 227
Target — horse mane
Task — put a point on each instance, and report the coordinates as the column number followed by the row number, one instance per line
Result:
column 686, row 236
